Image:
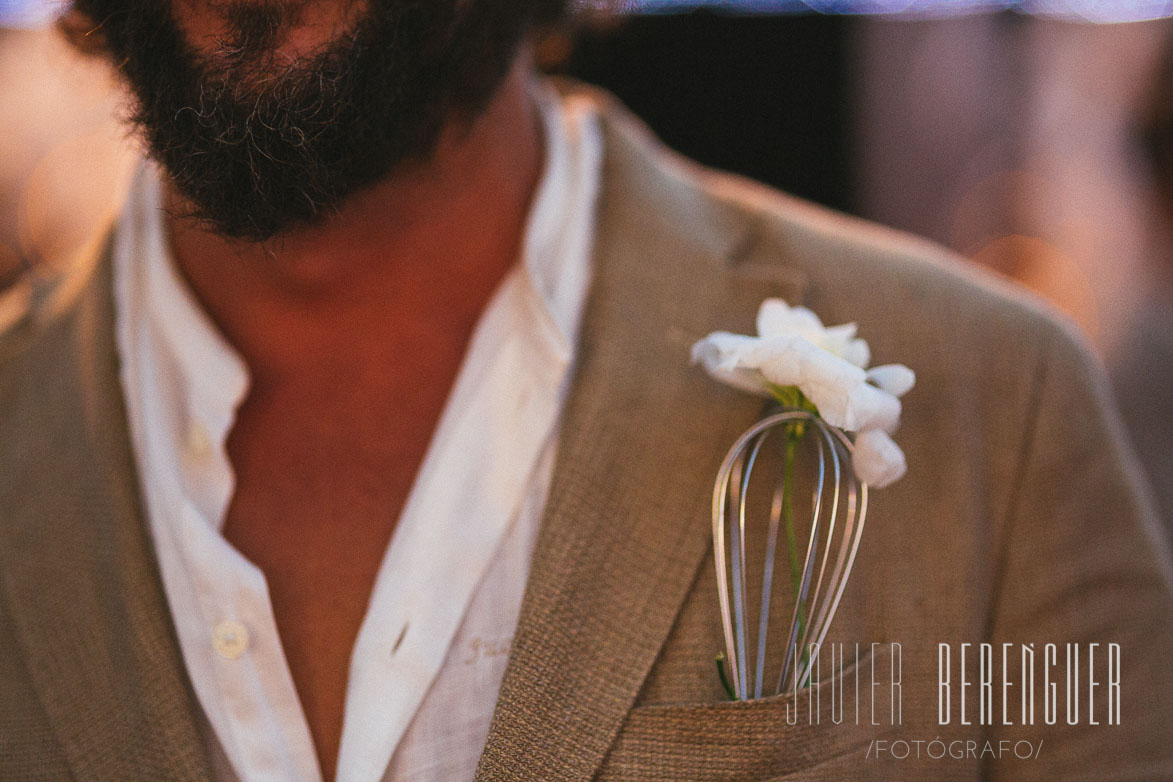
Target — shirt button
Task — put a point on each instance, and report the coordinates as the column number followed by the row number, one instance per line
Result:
column 199, row 444
column 230, row 639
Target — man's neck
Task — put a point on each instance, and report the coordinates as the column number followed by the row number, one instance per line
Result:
column 425, row 246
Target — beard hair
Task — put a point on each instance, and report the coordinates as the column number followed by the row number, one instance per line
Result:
column 256, row 147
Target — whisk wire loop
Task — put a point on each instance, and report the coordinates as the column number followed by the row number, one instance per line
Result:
column 816, row 596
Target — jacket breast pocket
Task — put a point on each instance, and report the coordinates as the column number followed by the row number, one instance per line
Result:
column 801, row 736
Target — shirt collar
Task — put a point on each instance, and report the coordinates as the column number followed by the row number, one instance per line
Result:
column 557, row 267
column 213, row 376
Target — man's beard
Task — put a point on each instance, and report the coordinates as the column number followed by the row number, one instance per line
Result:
column 257, row 147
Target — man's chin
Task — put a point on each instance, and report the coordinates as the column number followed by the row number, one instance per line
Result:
column 251, row 223
column 259, row 146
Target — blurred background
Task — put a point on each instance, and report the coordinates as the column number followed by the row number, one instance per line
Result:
column 1035, row 137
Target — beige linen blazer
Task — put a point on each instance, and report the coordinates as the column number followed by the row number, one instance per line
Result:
column 1021, row 519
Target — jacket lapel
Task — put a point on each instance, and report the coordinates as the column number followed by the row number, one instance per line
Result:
column 77, row 571
column 627, row 524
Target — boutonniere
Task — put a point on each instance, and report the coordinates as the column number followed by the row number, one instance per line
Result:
column 836, row 416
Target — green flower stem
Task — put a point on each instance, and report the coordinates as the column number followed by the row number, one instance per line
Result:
column 724, row 678
column 792, row 397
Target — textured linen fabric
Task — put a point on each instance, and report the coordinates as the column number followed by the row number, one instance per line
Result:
column 1021, row 518
column 1141, row 369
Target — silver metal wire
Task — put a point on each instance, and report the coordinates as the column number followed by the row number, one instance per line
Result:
column 833, row 540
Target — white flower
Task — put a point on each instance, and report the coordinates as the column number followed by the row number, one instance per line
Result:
column 896, row 379
column 829, row 366
column 878, row 460
column 776, row 317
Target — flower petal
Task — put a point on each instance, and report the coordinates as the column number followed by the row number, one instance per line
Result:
column 721, row 349
column 776, row 318
column 878, row 460
column 871, row 408
column 838, row 339
column 723, row 356
column 858, row 353
column 808, row 365
column 896, row 379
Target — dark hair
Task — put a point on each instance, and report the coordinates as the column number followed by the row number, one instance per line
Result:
column 1156, row 126
column 255, row 150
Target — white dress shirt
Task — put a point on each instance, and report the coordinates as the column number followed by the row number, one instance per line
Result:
column 429, row 657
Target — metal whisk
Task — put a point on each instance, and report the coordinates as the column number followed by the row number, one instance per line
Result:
column 838, row 508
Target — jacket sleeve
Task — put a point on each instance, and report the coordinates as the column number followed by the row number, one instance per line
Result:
column 1084, row 562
